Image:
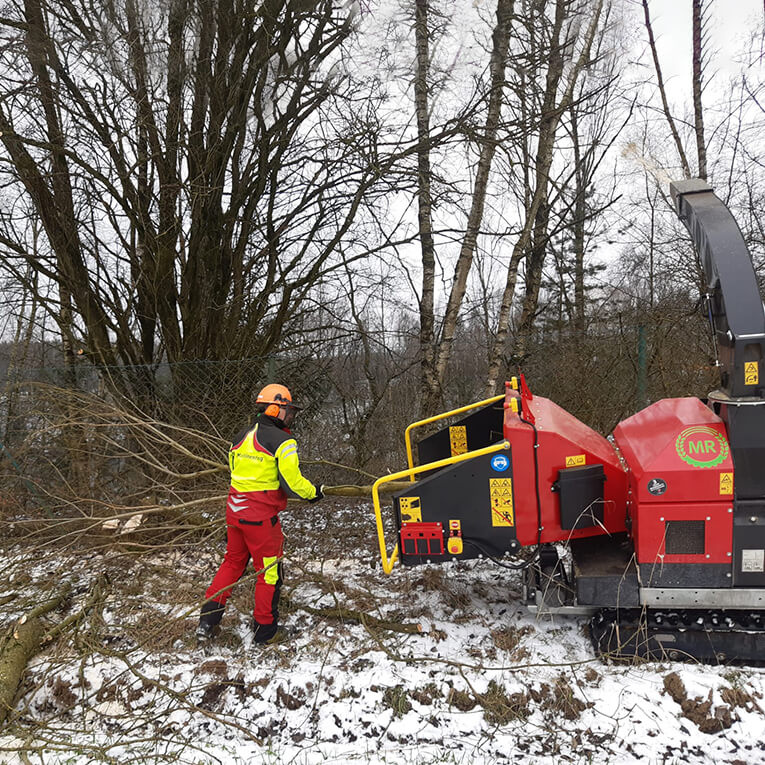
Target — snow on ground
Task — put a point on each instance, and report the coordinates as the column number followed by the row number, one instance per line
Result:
column 485, row 682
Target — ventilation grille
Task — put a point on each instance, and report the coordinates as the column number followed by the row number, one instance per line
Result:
column 684, row 538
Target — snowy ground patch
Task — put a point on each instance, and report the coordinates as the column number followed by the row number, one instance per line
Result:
column 485, row 681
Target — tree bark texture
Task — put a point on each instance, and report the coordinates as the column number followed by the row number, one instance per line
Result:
column 430, row 389
column 578, row 228
column 21, row 643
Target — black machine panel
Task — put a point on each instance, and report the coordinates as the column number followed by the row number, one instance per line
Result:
column 746, row 430
column 605, row 571
column 479, row 429
column 581, row 496
column 749, row 545
column 471, row 501
column 735, row 301
column 694, row 575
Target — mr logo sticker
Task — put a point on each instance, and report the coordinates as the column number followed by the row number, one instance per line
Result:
column 701, row 446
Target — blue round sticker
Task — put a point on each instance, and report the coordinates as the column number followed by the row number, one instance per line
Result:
column 500, row 463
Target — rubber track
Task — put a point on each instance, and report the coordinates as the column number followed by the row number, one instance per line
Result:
column 708, row 636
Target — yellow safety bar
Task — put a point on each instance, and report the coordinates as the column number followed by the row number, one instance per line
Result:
column 388, row 563
column 436, row 418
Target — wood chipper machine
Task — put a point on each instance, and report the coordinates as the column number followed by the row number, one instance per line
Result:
column 657, row 533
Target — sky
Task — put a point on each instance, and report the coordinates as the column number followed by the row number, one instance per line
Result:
column 731, row 23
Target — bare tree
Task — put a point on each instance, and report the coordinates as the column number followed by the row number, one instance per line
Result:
column 433, row 381
column 556, row 51
column 194, row 169
column 663, row 92
column 430, row 385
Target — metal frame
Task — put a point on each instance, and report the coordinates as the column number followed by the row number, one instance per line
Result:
column 436, row 418
column 680, row 597
column 388, row 563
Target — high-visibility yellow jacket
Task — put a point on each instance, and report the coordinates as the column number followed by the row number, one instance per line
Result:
column 265, row 459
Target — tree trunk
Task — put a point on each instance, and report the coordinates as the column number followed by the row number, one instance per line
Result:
column 578, row 229
column 499, row 55
column 698, row 72
column 430, row 389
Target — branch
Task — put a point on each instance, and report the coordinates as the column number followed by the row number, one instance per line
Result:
column 663, row 93
column 347, row 614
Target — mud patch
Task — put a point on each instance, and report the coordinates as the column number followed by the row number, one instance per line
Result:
column 461, row 700
column 738, row 697
column 291, row 701
column 708, row 718
column 426, row 695
column 216, row 667
column 559, row 700
column 508, row 638
column 212, row 698
column 64, row 696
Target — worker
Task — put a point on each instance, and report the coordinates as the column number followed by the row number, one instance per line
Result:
column 264, row 470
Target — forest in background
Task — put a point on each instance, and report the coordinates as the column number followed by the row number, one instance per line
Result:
column 389, row 207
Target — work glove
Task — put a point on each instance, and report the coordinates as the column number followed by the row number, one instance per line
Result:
column 319, row 494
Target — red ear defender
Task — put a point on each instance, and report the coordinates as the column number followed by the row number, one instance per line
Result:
column 275, row 397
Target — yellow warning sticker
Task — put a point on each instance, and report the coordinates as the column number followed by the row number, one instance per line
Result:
column 726, row 483
column 575, row 460
column 501, row 496
column 458, row 439
column 411, row 510
column 751, row 373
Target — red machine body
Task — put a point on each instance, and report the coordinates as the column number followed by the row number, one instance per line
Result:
column 563, row 442
column 669, row 481
column 680, row 469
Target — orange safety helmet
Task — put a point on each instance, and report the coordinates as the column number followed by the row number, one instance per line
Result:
column 276, row 396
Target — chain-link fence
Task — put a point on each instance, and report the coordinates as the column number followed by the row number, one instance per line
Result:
column 77, row 434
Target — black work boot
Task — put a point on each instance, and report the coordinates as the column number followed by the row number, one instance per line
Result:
column 269, row 634
column 209, row 619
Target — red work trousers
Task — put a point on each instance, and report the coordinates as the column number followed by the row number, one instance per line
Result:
column 263, row 542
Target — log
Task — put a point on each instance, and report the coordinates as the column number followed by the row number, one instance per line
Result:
column 21, row 643
column 30, row 634
column 366, row 490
